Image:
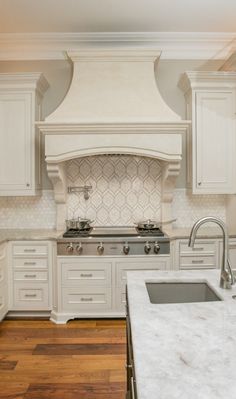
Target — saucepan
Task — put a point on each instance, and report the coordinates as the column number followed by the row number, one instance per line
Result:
column 152, row 224
column 78, row 224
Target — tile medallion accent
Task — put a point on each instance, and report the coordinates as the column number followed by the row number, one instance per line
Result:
column 125, row 189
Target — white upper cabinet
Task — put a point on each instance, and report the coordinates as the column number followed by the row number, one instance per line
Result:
column 211, row 143
column 20, row 106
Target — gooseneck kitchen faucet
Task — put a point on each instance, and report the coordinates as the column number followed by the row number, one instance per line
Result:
column 226, row 275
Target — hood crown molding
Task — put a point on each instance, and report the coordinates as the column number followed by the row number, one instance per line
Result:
column 174, row 45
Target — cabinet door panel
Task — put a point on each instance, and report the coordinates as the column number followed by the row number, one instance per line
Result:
column 15, row 133
column 215, row 139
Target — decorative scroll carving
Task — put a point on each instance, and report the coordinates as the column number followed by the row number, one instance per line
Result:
column 170, row 172
column 56, row 173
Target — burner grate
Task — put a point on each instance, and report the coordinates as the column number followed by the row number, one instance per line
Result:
column 73, row 233
column 150, row 232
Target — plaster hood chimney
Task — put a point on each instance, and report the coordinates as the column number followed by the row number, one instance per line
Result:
column 113, row 86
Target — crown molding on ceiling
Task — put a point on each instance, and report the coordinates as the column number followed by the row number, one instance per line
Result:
column 173, row 45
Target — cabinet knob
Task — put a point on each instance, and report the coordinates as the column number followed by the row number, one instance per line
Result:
column 199, row 183
column 27, row 185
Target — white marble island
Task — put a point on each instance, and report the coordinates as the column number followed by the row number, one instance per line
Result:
column 184, row 351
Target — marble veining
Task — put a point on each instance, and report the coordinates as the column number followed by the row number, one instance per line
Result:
column 183, row 351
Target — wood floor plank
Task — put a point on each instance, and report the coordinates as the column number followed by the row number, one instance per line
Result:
column 75, row 391
column 79, row 349
column 7, row 365
column 13, row 390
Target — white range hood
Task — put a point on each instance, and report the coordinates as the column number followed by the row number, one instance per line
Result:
column 113, row 106
column 111, row 86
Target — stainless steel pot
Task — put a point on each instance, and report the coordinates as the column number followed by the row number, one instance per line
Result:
column 152, row 224
column 83, row 223
column 78, row 224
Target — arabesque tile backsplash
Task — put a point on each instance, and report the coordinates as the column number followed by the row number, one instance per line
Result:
column 124, row 189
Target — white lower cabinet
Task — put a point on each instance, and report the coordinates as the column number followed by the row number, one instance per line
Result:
column 3, row 281
column 204, row 255
column 162, row 262
column 95, row 287
column 31, row 275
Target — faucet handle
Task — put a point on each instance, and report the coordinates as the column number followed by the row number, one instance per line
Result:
column 225, row 279
column 232, row 278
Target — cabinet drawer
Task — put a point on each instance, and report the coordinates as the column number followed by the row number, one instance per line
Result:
column 30, row 296
column 30, row 276
column 30, row 263
column 83, row 299
column 122, row 268
column 30, row 249
column 198, row 262
column 199, row 248
column 91, row 273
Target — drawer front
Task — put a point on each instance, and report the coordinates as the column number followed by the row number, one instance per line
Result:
column 199, row 248
column 90, row 273
column 30, row 263
column 30, row 276
column 123, row 268
column 31, row 296
column 84, row 299
column 197, row 262
column 30, row 249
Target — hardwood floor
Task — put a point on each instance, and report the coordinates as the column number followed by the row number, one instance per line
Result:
column 84, row 359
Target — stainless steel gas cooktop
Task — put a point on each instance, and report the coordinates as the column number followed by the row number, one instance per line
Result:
column 122, row 240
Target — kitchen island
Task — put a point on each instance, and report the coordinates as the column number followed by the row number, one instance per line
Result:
column 186, row 350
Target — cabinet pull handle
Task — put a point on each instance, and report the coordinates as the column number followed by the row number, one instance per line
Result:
column 30, row 295
column 198, row 261
column 30, row 275
column 198, row 249
column 29, row 263
column 29, row 250
column 86, row 275
column 86, row 299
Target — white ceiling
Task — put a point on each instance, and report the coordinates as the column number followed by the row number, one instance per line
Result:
column 19, row 16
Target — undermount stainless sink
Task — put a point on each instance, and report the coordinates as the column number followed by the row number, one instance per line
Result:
column 182, row 292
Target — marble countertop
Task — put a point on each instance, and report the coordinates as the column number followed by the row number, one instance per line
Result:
column 183, row 351
column 50, row 234
column 28, row 234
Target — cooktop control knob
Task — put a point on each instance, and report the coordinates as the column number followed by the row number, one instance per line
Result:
column 70, row 248
column 156, row 248
column 79, row 249
column 147, row 248
column 126, row 249
column 100, row 249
